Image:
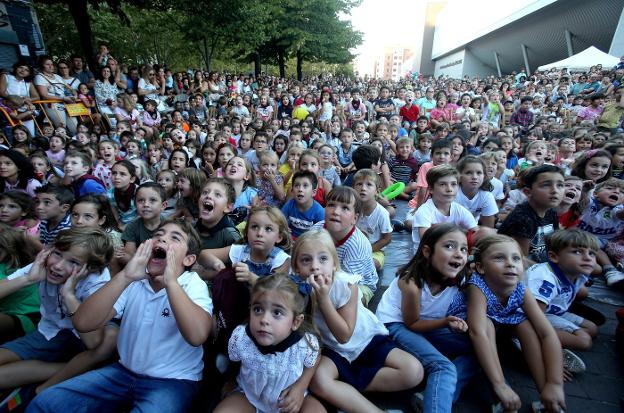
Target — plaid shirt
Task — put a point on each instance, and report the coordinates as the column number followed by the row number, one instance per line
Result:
column 523, row 119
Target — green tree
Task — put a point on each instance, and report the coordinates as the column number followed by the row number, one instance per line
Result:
column 79, row 11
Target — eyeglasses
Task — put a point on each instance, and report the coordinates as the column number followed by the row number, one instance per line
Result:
column 151, row 74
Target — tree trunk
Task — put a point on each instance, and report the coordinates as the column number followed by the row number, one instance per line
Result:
column 80, row 14
column 257, row 64
column 281, row 62
column 299, row 65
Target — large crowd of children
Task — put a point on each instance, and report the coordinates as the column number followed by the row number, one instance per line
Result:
column 226, row 225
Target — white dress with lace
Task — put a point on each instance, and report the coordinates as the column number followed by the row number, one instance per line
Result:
column 263, row 377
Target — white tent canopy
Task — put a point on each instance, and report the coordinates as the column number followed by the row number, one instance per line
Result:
column 582, row 61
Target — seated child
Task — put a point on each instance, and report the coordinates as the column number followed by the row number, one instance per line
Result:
column 302, row 211
column 266, row 240
column 52, row 204
column 403, row 166
column 163, row 306
column 440, row 155
column 270, row 182
column 374, row 221
column 498, row 280
column 354, row 250
column 19, row 309
column 68, row 273
column 358, row 355
column 532, row 220
column 150, row 201
column 442, row 180
column 215, row 228
column 76, row 166
column 270, row 381
column 17, row 211
column 603, row 217
column 556, row 283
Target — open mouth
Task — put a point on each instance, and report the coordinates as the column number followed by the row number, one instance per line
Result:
column 54, row 275
column 159, row 253
column 614, row 198
column 456, row 265
column 208, row 207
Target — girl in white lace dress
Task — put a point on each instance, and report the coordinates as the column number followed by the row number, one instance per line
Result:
column 277, row 351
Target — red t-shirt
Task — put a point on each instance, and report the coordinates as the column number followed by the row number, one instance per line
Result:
column 410, row 114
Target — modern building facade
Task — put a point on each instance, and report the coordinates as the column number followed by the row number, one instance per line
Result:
column 484, row 37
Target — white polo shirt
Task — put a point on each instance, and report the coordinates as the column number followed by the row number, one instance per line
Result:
column 150, row 342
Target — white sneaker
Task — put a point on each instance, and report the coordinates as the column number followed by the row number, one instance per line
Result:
column 613, row 276
column 572, row 362
column 418, row 402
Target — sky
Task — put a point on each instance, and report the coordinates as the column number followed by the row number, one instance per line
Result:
column 400, row 22
column 384, row 23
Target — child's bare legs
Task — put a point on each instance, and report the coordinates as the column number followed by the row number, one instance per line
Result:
column 532, row 351
column 312, row 405
column 401, row 371
column 326, row 385
column 580, row 339
column 86, row 360
column 235, row 403
column 16, row 372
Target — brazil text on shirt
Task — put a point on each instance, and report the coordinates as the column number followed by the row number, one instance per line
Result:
column 551, row 286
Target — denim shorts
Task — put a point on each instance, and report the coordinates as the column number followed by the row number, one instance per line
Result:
column 34, row 346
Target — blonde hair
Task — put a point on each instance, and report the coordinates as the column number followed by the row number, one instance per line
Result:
column 318, row 236
column 485, row 243
column 96, row 243
column 277, row 217
column 366, row 174
column 268, row 154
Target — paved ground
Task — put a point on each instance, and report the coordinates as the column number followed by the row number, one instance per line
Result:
column 598, row 390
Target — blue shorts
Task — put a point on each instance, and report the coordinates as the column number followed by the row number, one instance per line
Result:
column 363, row 369
column 34, row 346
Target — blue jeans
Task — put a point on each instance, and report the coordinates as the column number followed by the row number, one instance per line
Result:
column 113, row 388
column 445, row 378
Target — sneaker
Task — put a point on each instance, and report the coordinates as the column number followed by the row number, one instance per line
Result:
column 538, row 407
column 572, row 362
column 613, row 276
column 397, row 225
column 418, row 402
column 498, row 408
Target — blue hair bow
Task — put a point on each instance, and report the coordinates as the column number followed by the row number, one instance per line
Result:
column 304, row 288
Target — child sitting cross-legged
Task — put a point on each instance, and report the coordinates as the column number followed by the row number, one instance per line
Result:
column 358, row 355
column 165, row 312
column 374, row 221
column 555, row 285
column 66, row 274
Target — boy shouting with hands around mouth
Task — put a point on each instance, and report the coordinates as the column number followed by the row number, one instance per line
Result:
column 165, row 315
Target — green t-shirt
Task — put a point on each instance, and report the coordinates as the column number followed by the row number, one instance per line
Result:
column 20, row 303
